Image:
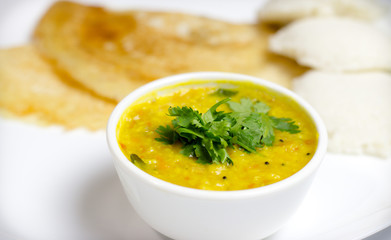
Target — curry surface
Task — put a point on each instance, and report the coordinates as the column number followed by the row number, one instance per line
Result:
column 289, row 153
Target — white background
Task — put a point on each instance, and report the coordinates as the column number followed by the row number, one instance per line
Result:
column 57, row 184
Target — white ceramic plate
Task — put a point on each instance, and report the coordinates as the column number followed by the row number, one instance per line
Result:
column 57, row 184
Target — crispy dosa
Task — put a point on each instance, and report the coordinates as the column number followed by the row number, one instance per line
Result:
column 30, row 88
column 112, row 53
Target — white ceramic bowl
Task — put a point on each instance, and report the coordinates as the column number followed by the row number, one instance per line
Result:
column 186, row 213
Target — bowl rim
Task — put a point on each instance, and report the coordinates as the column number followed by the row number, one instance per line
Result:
column 120, row 158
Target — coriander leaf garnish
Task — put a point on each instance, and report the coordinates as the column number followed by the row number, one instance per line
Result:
column 185, row 116
column 167, row 134
column 207, row 136
column 223, row 92
column 261, row 107
column 245, row 105
column 267, row 130
column 212, row 114
column 285, row 124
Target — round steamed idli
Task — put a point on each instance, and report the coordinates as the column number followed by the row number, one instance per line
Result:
column 284, row 11
column 335, row 44
column 356, row 109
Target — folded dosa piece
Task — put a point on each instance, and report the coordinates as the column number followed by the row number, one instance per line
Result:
column 112, row 53
column 32, row 89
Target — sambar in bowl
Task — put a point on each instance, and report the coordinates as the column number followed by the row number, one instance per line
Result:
column 215, row 155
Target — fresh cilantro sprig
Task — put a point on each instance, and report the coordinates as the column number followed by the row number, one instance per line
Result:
column 207, row 136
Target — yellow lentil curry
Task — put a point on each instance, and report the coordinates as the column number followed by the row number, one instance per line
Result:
column 136, row 134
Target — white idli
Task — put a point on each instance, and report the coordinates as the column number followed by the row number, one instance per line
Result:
column 356, row 109
column 284, row 11
column 334, row 44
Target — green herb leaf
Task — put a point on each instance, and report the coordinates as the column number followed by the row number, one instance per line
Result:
column 207, row 136
column 285, row 124
column 220, row 129
column 245, row 105
column 189, row 134
column 267, row 130
column 167, row 135
column 188, row 150
column 212, row 114
column 222, row 92
column 261, row 107
column 202, row 154
column 185, row 117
